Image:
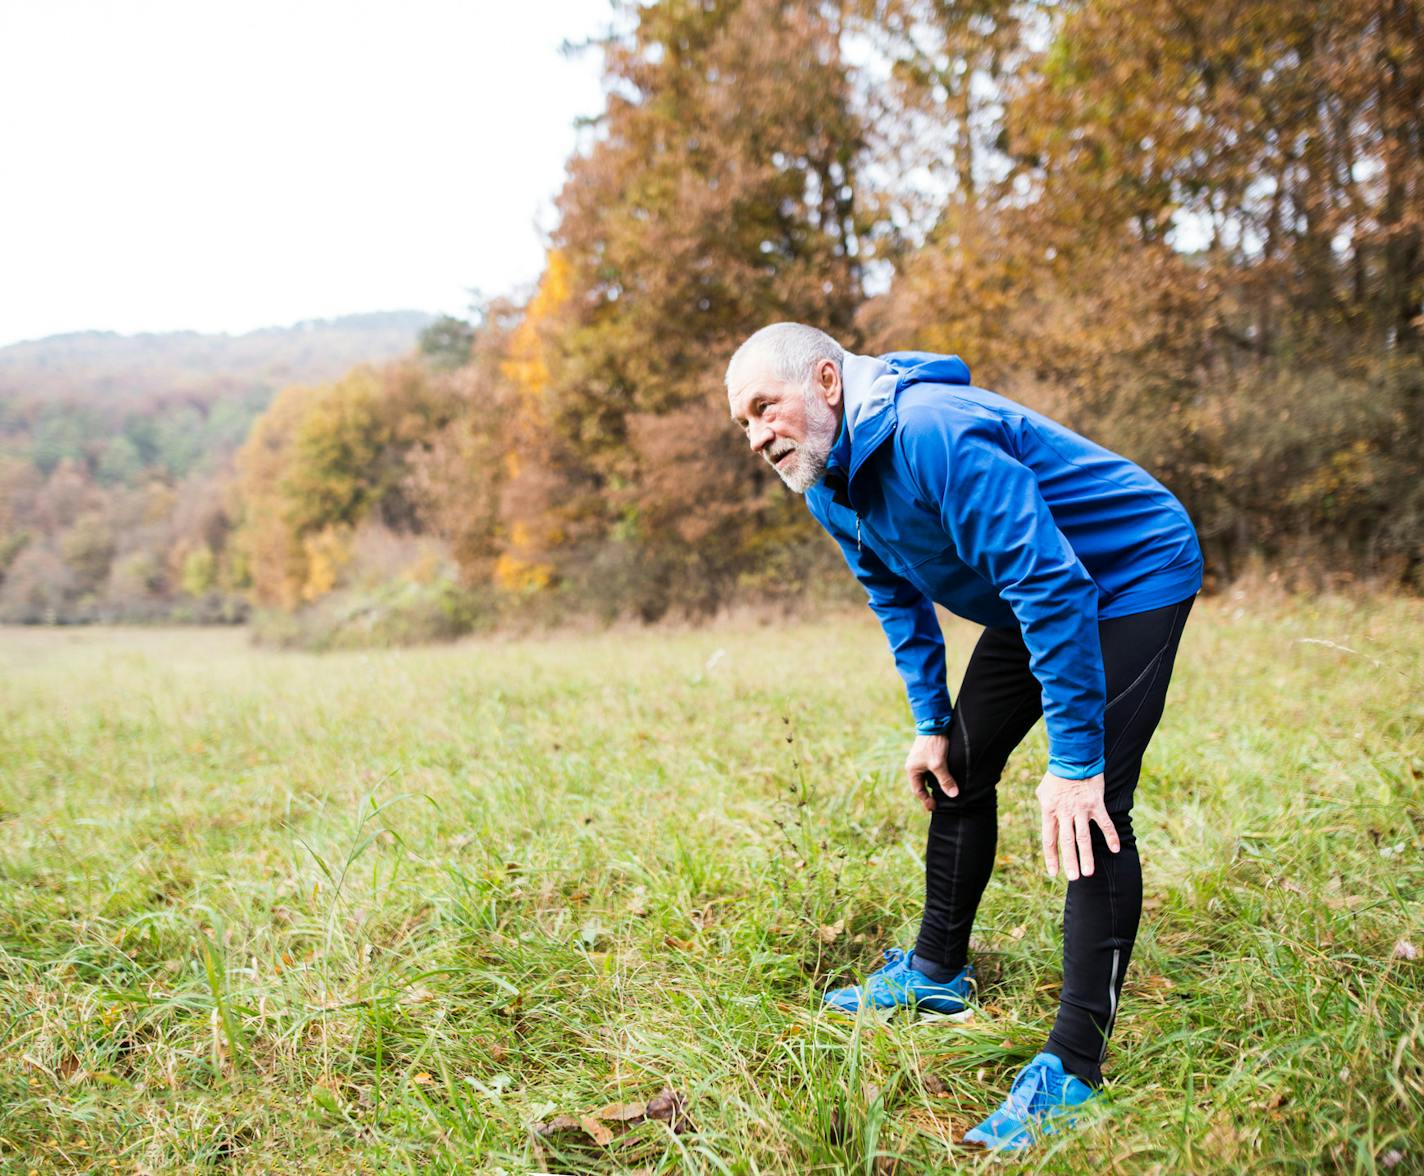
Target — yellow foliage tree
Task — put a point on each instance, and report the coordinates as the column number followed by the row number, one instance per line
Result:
column 328, row 551
column 532, row 503
column 321, row 460
column 265, row 543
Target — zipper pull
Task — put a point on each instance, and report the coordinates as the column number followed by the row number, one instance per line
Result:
column 857, row 532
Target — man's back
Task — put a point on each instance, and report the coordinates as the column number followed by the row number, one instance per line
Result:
column 958, row 468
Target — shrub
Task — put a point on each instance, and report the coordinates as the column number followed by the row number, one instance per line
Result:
column 403, row 612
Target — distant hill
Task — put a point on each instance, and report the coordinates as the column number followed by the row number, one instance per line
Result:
column 112, row 370
column 115, row 451
column 126, row 408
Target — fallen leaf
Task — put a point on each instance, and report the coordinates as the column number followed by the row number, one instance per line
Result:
column 671, row 1108
column 933, row 1084
column 558, row 1125
column 621, row 1112
column 668, row 1106
column 946, row 1130
column 829, row 933
column 1275, row 1102
column 1404, row 950
column 1223, row 1137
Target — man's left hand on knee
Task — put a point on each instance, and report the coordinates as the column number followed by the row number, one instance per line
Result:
column 1069, row 808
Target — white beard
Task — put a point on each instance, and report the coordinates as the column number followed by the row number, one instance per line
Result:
column 807, row 463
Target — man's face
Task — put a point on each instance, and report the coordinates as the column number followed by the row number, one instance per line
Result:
column 792, row 427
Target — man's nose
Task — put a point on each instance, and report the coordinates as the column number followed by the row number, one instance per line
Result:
column 759, row 435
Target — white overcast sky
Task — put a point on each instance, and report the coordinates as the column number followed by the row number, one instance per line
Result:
column 171, row 164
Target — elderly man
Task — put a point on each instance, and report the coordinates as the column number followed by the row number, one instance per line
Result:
column 1082, row 569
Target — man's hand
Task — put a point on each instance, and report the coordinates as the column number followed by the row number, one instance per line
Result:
column 1069, row 807
column 929, row 761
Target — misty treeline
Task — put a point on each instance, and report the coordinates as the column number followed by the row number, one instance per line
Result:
column 1192, row 229
column 116, row 497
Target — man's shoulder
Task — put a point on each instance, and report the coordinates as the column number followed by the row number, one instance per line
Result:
column 950, row 413
column 967, row 400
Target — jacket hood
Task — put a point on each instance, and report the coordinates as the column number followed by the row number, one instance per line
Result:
column 870, row 386
column 925, row 367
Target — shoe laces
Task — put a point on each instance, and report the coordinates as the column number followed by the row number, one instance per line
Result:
column 893, row 956
column 1030, row 1091
column 890, row 975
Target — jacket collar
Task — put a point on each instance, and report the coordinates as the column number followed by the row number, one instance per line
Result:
column 870, row 387
column 868, row 418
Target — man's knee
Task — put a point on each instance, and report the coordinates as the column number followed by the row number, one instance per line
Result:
column 977, row 789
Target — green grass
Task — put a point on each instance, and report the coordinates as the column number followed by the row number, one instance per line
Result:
column 267, row 911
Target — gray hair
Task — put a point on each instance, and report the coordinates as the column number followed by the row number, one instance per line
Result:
column 786, row 351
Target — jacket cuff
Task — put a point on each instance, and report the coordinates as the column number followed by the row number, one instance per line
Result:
column 934, row 725
column 1071, row 769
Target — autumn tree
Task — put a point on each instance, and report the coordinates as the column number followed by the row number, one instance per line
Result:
column 456, row 479
column 1203, row 247
column 320, row 461
column 1271, row 154
column 719, row 193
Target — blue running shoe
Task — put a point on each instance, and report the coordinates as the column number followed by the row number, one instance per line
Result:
column 1039, row 1103
column 897, row 985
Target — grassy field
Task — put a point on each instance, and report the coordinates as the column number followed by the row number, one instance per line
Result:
column 391, row 911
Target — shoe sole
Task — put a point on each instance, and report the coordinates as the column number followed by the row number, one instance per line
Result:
column 930, row 1017
column 924, row 1016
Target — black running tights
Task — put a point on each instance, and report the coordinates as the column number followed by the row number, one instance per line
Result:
column 998, row 702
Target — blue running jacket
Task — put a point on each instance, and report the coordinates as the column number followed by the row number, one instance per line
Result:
column 938, row 491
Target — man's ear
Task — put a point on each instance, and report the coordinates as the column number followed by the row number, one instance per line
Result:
column 828, row 377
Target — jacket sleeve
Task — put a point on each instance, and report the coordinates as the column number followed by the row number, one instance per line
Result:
column 965, row 468
column 907, row 615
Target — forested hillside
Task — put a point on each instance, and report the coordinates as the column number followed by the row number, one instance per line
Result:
column 115, row 459
column 1193, row 230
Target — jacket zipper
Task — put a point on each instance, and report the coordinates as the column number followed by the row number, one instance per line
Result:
column 894, row 567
